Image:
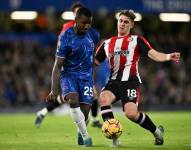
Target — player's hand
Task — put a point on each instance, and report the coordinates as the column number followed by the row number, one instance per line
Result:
column 175, row 57
column 51, row 96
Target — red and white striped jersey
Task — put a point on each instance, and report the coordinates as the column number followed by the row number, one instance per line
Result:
column 123, row 54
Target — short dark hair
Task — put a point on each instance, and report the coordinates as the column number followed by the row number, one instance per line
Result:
column 129, row 13
column 76, row 5
column 83, row 11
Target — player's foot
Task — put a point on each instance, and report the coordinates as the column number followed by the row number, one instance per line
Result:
column 88, row 142
column 39, row 120
column 115, row 142
column 159, row 140
column 80, row 139
column 96, row 124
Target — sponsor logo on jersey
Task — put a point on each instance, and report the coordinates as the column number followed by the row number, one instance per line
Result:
column 122, row 53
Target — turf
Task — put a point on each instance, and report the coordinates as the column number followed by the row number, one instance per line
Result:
column 17, row 132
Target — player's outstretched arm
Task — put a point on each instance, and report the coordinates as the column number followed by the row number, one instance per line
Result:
column 161, row 57
column 55, row 79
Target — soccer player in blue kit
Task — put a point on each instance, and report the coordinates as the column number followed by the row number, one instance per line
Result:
column 73, row 70
column 50, row 106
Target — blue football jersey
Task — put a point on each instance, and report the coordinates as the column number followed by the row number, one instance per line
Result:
column 78, row 53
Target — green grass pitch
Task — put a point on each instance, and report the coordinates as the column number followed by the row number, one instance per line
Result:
column 17, row 132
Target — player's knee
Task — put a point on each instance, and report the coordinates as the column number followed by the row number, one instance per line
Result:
column 132, row 115
column 73, row 100
column 74, row 104
column 105, row 99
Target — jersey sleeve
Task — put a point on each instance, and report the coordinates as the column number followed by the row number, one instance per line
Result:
column 100, row 53
column 62, row 46
column 144, row 45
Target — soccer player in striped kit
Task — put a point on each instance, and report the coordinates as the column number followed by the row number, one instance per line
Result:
column 123, row 52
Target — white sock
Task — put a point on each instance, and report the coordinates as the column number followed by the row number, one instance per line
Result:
column 157, row 132
column 43, row 112
column 79, row 119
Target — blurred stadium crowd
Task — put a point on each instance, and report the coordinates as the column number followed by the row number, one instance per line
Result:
column 27, row 55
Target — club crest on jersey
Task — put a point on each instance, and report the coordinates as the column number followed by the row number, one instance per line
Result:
column 92, row 44
column 130, row 39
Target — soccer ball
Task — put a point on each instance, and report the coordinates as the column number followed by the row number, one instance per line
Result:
column 112, row 128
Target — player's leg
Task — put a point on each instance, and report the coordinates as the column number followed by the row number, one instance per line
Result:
column 72, row 94
column 101, row 78
column 94, row 110
column 85, row 109
column 85, row 89
column 40, row 115
column 77, row 115
column 144, row 121
column 106, row 98
column 131, row 112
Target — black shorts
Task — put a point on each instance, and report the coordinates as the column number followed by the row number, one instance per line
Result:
column 126, row 91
